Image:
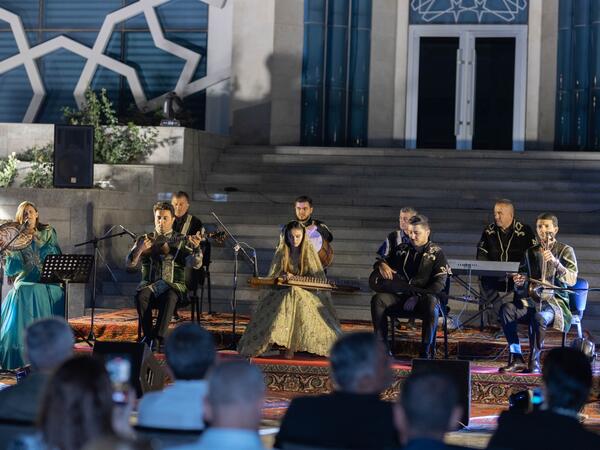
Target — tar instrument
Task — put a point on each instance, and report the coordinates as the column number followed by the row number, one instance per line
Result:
column 218, row 236
column 321, row 284
column 322, row 246
column 12, row 232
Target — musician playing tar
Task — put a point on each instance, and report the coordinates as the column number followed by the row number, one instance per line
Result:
column 399, row 236
column 409, row 280
column 506, row 239
column 554, row 263
column 292, row 317
column 164, row 255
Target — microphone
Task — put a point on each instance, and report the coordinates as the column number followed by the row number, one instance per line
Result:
column 255, row 262
column 129, row 233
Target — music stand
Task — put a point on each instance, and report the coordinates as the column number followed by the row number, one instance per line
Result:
column 66, row 269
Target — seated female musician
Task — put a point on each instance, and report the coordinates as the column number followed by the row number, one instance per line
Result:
column 292, row 317
column 28, row 300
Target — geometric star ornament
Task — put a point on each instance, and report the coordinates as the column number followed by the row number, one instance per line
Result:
column 500, row 10
column 95, row 57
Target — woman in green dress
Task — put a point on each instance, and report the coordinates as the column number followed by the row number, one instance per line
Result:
column 292, row 317
column 28, row 300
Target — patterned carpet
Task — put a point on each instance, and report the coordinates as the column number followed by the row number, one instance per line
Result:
column 468, row 343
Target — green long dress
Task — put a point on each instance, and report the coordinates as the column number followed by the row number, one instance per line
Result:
column 28, row 300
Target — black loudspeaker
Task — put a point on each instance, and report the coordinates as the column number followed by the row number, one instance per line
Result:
column 459, row 371
column 73, row 156
column 146, row 373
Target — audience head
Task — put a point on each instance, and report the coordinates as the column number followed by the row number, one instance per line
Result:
column 304, row 207
column 78, row 406
column 48, row 343
column 360, row 364
column 546, row 223
column 504, row 213
column 190, row 351
column 164, row 217
column 567, row 376
column 236, row 391
column 406, row 213
column 114, row 442
column 181, row 203
column 419, row 230
column 427, row 407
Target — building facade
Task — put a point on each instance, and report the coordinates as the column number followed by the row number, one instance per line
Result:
column 464, row 74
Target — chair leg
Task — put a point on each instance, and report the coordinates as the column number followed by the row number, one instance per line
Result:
column 210, row 310
column 392, row 320
column 445, row 325
column 201, row 308
column 579, row 331
column 564, row 338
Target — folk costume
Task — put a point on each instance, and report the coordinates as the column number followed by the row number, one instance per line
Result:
column 292, row 317
column 425, row 268
column 553, row 308
column 28, row 300
column 501, row 245
column 163, row 280
column 393, row 240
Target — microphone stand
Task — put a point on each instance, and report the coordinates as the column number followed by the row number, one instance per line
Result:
column 94, row 242
column 253, row 260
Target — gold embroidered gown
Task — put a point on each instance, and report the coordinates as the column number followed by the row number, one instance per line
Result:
column 292, row 317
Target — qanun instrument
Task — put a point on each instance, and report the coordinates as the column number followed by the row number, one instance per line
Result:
column 315, row 283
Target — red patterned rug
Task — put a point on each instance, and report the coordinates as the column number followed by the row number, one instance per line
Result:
column 467, row 343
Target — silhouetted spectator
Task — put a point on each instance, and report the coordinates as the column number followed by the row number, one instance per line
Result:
column 427, row 409
column 567, row 377
column 233, row 407
column 190, row 352
column 353, row 416
column 77, row 407
column 48, row 343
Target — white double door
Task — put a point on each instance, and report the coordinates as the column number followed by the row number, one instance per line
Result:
column 466, row 87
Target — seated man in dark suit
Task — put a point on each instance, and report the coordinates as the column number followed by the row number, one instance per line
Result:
column 427, row 408
column 353, row 416
column 567, row 377
column 48, row 343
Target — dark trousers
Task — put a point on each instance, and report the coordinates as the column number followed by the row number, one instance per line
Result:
column 494, row 290
column 514, row 313
column 145, row 301
column 427, row 309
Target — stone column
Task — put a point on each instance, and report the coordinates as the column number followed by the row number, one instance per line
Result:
column 383, row 71
column 401, row 65
column 253, row 45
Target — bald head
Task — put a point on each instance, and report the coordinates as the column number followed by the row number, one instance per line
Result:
column 504, row 213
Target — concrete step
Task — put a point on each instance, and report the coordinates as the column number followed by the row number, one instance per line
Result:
column 579, row 203
column 409, row 153
column 270, row 182
column 406, row 193
column 433, row 173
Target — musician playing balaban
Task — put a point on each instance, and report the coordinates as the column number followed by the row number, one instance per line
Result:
column 422, row 265
column 506, row 239
column 164, row 255
column 553, row 263
column 292, row 317
column 319, row 234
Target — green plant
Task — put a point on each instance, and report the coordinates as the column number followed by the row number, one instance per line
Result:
column 8, row 170
column 113, row 143
column 40, row 172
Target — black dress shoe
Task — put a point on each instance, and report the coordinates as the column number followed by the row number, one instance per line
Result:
column 516, row 364
column 534, row 362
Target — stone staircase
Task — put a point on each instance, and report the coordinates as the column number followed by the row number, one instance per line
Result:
column 358, row 192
